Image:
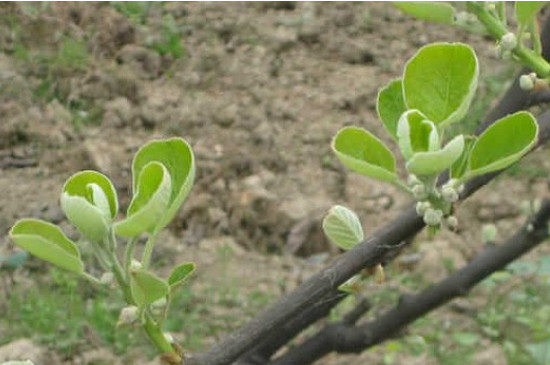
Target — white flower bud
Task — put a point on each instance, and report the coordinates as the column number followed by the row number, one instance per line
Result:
column 128, row 315
column 412, row 180
column 169, row 338
column 488, row 233
column 160, row 303
column 419, row 192
column 422, row 207
column 526, row 83
column 508, row 42
column 449, row 194
column 432, row 217
column 451, row 222
column 135, row 265
column 107, row 278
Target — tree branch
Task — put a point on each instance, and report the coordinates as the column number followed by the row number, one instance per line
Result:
column 344, row 338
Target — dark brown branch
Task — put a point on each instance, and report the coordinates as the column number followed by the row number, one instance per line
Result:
column 268, row 346
column 344, row 338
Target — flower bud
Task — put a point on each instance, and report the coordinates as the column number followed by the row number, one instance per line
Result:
column 412, row 180
column 160, row 303
column 422, row 207
column 449, row 194
column 135, row 265
column 526, row 83
column 451, row 222
column 432, row 217
column 128, row 315
column 107, row 278
column 169, row 338
column 419, row 192
column 508, row 42
column 488, row 233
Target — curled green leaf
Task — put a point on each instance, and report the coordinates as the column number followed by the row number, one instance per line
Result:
column 47, row 242
column 180, row 274
column 342, row 226
column 416, row 134
column 435, row 162
column 177, row 157
column 362, row 152
column 149, row 202
column 146, row 287
column 90, row 203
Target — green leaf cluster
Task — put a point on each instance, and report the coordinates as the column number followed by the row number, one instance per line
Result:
column 163, row 172
column 436, row 90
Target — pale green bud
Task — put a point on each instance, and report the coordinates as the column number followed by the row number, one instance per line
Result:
column 422, row 207
column 412, row 180
column 128, row 315
column 433, row 217
column 169, row 338
column 508, row 42
column 488, row 233
column 107, row 278
column 526, row 83
column 135, row 265
column 449, row 194
column 160, row 303
column 451, row 222
column 419, row 192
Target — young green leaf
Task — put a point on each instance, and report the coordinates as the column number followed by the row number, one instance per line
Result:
column 352, row 285
column 146, row 287
column 527, row 10
column 177, row 157
column 47, row 242
column 362, row 152
column 460, row 166
column 90, row 203
column 180, row 274
column 434, row 162
column 440, row 81
column 432, row 11
column 390, row 106
column 342, row 227
column 416, row 134
column 503, row 143
column 149, row 202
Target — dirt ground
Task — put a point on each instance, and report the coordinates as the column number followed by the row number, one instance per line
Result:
column 259, row 92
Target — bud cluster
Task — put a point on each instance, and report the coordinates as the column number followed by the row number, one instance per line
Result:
column 506, row 45
column 434, row 215
column 530, row 82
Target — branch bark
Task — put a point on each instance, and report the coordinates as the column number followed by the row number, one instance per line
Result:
column 344, row 338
